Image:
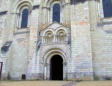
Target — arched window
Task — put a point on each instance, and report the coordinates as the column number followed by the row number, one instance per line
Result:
column 107, row 8
column 49, row 37
column 61, row 35
column 56, row 12
column 24, row 19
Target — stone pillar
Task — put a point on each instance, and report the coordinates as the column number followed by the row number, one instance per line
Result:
column 67, row 14
column 48, row 71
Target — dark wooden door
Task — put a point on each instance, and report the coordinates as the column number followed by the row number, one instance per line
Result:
column 1, row 64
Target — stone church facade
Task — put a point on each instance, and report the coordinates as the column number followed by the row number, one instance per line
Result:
column 55, row 40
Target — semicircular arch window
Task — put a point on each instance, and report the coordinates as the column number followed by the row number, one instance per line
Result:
column 61, row 36
column 49, row 37
column 56, row 13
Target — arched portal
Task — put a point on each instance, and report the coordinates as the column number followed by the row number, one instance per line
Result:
column 56, row 68
column 55, row 57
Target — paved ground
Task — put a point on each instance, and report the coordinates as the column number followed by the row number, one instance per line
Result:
column 94, row 83
column 55, row 83
column 33, row 83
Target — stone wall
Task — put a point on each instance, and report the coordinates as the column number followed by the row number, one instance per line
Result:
column 91, row 39
column 101, row 41
column 81, row 54
column 102, row 55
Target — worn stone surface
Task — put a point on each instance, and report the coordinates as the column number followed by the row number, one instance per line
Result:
column 83, row 39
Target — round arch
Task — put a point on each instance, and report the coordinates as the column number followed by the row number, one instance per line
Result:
column 48, row 55
column 47, row 59
column 45, row 31
column 48, row 3
column 21, row 4
column 18, row 8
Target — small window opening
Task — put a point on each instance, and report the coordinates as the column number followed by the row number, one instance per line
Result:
column 56, row 12
column 24, row 20
column 107, row 8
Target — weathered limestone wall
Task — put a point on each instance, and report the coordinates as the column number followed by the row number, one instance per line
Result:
column 4, row 5
column 91, row 40
column 34, row 32
column 81, row 55
column 3, row 27
column 101, row 36
column 3, row 23
column 19, row 54
column 102, row 53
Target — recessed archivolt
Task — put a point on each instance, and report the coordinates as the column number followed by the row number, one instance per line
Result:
column 60, row 31
column 43, row 33
column 49, row 33
column 47, row 3
column 51, row 52
column 48, row 38
column 21, row 4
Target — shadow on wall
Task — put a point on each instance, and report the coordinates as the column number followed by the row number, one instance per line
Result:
column 73, row 2
column 6, row 46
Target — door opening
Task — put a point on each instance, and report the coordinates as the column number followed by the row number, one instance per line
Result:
column 56, row 68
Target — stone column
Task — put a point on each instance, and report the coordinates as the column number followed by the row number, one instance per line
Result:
column 48, row 72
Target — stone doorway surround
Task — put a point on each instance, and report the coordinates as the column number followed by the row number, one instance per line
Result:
column 48, row 57
column 54, row 40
